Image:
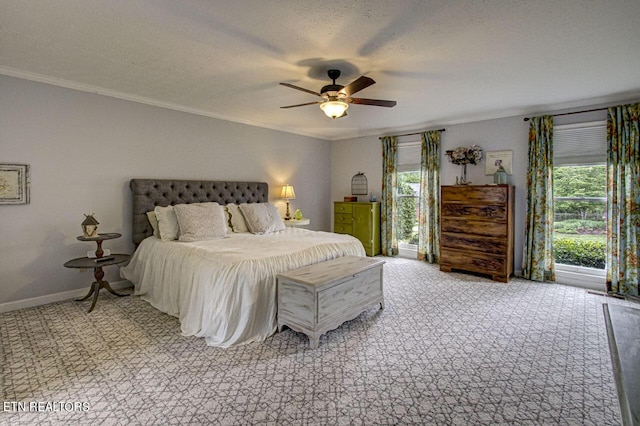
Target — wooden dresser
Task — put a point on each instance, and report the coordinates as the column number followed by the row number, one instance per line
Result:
column 476, row 229
column 362, row 220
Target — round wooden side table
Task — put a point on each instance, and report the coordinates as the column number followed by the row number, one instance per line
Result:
column 97, row 263
column 98, row 274
column 99, row 239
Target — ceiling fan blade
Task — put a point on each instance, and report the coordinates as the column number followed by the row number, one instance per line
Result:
column 299, row 105
column 374, row 102
column 300, row 88
column 357, row 85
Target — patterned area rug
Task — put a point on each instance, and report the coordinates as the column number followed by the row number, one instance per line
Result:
column 449, row 349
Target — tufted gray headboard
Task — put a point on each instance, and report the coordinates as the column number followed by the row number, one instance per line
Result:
column 149, row 193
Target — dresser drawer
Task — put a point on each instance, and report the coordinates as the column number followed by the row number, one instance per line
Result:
column 343, row 228
column 475, row 227
column 343, row 208
column 343, row 218
column 483, row 263
column 473, row 242
column 475, row 194
column 475, row 212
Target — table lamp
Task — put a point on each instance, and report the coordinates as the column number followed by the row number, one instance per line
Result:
column 288, row 194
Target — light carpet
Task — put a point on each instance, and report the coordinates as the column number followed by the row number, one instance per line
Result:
column 448, row 348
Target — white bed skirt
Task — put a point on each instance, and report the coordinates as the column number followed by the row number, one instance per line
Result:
column 225, row 290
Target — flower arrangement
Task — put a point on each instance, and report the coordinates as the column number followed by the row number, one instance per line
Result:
column 463, row 155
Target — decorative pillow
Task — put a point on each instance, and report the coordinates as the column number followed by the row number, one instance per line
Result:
column 237, row 219
column 227, row 219
column 167, row 223
column 201, row 221
column 262, row 218
column 153, row 221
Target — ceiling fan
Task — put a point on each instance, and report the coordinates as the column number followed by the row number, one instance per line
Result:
column 336, row 98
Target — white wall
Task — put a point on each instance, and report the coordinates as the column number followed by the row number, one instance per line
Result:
column 83, row 149
column 365, row 154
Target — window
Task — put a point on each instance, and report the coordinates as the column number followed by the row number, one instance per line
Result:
column 579, row 189
column 408, row 187
column 408, row 192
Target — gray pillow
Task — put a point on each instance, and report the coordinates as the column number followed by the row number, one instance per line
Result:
column 262, row 218
column 201, row 221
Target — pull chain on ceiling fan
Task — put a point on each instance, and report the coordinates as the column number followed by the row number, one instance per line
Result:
column 336, row 98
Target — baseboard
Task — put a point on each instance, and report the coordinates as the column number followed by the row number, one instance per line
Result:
column 56, row 297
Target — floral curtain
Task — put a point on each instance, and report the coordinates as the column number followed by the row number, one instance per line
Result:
column 538, row 261
column 623, row 199
column 429, row 210
column 389, row 207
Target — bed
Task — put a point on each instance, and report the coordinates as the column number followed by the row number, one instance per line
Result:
column 221, row 289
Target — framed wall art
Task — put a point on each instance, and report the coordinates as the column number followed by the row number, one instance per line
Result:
column 494, row 159
column 14, row 184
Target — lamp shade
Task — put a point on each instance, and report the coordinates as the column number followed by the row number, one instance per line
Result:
column 334, row 109
column 288, row 192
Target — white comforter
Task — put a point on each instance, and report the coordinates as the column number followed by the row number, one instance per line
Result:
column 224, row 290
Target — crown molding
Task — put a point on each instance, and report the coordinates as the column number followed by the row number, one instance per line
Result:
column 622, row 97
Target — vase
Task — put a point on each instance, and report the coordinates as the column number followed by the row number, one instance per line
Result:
column 500, row 176
column 463, row 175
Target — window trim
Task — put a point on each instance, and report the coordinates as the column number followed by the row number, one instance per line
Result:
column 405, row 249
column 581, row 276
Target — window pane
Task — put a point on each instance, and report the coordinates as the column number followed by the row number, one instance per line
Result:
column 408, row 183
column 408, row 191
column 580, row 215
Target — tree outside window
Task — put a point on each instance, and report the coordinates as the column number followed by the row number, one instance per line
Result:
column 580, row 215
column 408, row 192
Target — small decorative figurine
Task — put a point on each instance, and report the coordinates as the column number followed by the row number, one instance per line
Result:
column 90, row 226
column 298, row 214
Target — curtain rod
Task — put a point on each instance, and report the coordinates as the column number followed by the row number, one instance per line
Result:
column 569, row 113
column 411, row 134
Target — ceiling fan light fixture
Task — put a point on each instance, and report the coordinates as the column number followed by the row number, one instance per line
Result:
column 334, row 109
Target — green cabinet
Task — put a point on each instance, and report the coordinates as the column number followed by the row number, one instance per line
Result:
column 362, row 220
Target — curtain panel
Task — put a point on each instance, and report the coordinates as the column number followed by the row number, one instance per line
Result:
column 389, row 205
column 538, row 262
column 429, row 207
column 623, row 199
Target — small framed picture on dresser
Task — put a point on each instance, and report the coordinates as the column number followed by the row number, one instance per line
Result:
column 14, row 184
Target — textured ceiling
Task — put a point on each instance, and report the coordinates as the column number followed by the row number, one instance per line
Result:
column 443, row 61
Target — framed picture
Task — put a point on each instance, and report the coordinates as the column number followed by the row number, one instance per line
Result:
column 494, row 159
column 14, row 184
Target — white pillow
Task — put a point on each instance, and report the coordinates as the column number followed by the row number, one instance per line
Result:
column 167, row 223
column 262, row 218
column 153, row 221
column 237, row 219
column 200, row 221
